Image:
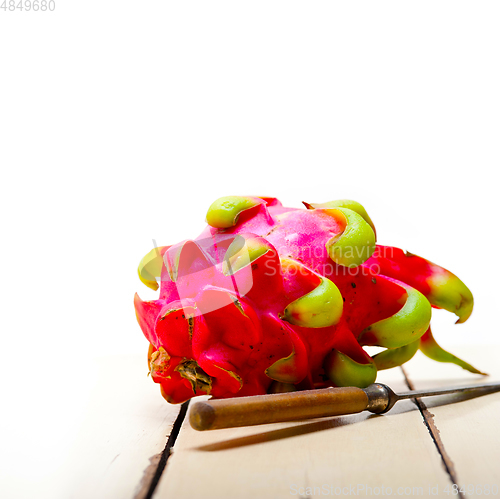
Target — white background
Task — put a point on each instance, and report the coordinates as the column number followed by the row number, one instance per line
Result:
column 120, row 122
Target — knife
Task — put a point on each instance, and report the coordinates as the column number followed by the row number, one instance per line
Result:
column 308, row 404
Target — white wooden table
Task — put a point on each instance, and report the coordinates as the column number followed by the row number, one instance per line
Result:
column 429, row 450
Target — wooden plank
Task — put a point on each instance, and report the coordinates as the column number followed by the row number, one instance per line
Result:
column 349, row 455
column 119, row 443
column 468, row 426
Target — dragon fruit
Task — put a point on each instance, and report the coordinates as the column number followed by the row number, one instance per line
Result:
column 270, row 299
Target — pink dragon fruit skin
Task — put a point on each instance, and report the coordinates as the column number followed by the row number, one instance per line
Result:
column 270, row 298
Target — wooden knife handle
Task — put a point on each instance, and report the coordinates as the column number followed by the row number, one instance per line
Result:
column 274, row 408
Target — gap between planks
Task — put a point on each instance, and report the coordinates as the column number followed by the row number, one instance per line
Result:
column 152, row 473
column 429, row 422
